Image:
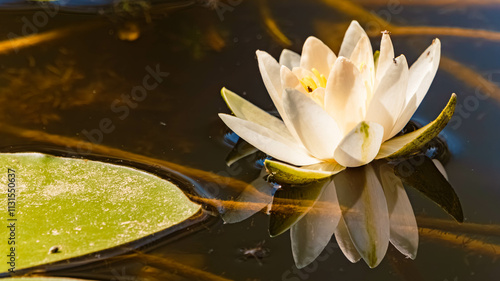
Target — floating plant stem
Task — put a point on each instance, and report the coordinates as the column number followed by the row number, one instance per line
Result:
column 183, row 270
column 271, row 25
column 377, row 24
column 455, row 3
column 75, row 144
column 470, row 77
column 463, row 241
column 14, row 43
column 452, row 226
column 445, row 31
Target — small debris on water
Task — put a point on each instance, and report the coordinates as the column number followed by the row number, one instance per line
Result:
column 258, row 252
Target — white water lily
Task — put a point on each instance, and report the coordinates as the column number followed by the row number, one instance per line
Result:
column 336, row 111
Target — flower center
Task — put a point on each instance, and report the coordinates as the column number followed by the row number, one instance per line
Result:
column 310, row 84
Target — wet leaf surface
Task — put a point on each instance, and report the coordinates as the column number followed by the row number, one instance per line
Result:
column 66, row 207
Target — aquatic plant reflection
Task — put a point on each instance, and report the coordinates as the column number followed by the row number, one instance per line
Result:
column 365, row 208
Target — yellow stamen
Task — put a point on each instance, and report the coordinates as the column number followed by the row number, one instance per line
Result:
column 321, row 78
column 307, row 87
column 316, row 72
column 309, row 84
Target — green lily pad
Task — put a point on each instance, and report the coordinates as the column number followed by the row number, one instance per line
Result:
column 291, row 203
column 287, row 174
column 67, row 208
column 420, row 173
column 410, row 143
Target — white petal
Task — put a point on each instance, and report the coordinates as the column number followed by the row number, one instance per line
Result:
column 351, row 38
column 289, row 59
column 422, row 72
column 346, row 95
column 318, row 96
column 256, row 196
column 362, row 57
column 404, row 229
column 345, row 242
column 405, row 115
column 318, row 131
column 312, row 233
column 269, row 141
column 270, row 70
column 389, row 97
column 386, row 56
column 315, row 54
column 290, row 80
column 247, row 111
column 360, row 146
column 329, row 167
column 364, row 210
column 439, row 166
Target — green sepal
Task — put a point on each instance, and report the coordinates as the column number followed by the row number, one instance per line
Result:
column 408, row 144
column 287, row 174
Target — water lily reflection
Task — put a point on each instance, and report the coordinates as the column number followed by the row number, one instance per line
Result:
column 365, row 208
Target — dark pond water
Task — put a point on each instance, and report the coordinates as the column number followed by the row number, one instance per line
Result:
column 95, row 53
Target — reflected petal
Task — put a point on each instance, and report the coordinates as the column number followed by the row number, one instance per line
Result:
column 440, row 167
column 345, row 242
column 257, row 195
column 421, row 173
column 364, row 209
column 291, row 203
column 404, row 229
column 240, row 150
column 312, row 233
